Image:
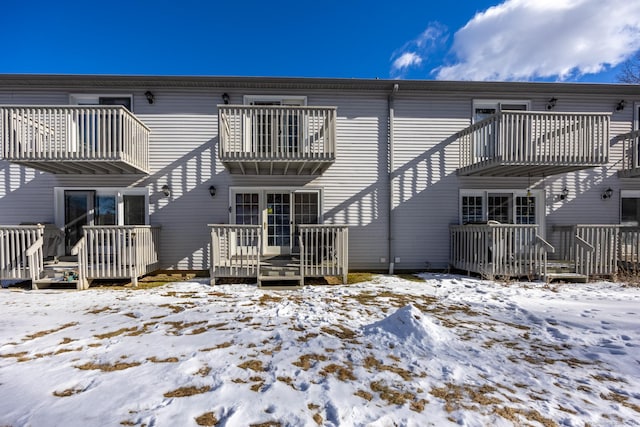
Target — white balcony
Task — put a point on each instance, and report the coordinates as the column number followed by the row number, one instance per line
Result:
column 277, row 140
column 529, row 143
column 75, row 139
column 631, row 154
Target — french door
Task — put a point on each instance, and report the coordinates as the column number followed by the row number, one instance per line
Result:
column 279, row 212
column 78, row 212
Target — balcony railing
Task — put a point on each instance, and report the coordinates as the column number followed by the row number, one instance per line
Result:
column 75, row 139
column 277, row 140
column 527, row 143
column 496, row 250
column 631, row 154
column 117, row 252
column 21, row 255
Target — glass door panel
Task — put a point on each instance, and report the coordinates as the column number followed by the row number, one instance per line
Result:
column 78, row 212
column 277, row 223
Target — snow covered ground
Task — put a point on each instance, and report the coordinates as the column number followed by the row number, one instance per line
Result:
column 451, row 350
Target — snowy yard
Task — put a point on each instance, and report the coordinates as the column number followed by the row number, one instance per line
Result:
column 451, row 350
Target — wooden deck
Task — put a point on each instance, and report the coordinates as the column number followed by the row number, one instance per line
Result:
column 104, row 252
column 581, row 251
column 236, row 253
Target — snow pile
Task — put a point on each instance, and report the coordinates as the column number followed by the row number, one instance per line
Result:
column 409, row 326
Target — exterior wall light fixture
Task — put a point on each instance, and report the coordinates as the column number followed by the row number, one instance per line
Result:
column 551, row 104
column 150, row 97
column 620, row 105
column 212, row 191
column 607, row 194
column 166, row 190
column 225, row 98
column 563, row 194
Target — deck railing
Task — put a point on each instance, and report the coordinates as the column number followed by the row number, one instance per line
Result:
column 324, row 250
column 630, row 153
column 21, row 255
column 599, row 249
column 235, row 251
column 118, row 252
column 495, row 250
column 536, row 138
column 276, row 132
column 73, row 133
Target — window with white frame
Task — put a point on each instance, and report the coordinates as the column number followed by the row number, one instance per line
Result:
column 125, row 100
column 630, row 207
column 503, row 206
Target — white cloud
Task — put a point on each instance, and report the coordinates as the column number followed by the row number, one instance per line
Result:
column 527, row 39
column 405, row 60
column 414, row 52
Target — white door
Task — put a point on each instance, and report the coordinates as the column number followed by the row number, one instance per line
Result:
column 277, row 225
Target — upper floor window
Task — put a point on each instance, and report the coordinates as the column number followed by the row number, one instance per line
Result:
column 102, row 99
column 483, row 108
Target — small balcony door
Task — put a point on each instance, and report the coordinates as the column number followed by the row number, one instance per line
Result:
column 276, row 132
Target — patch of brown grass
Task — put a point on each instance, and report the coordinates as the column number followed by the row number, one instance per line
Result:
column 307, row 337
column 364, row 394
column 68, row 392
column 267, row 424
column 115, row 333
column 353, row 278
column 253, row 364
column 418, row 405
column 179, row 326
column 390, row 395
column 187, row 391
column 67, row 340
column 173, row 307
column 265, row 299
column 306, row 361
column 18, row 355
column 204, row 371
column 101, row 310
column 343, row 373
column 621, row 399
column 288, row 381
column 339, row 331
column 318, row 418
column 218, row 347
column 49, row 331
column 154, row 359
column 106, row 367
column 207, row 419
column 455, row 395
column 411, row 278
column 370, row 362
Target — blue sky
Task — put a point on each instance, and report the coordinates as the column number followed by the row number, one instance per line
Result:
column 544, row 40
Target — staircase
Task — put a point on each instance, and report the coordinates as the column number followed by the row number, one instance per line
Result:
column 565, row 271
column 59, row 272
column 280, row 271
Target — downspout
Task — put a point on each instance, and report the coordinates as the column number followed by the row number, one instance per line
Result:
column 390, row 104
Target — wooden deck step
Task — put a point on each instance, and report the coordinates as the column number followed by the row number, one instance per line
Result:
column 567, row 277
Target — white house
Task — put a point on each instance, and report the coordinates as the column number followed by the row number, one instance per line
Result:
column 236, row 174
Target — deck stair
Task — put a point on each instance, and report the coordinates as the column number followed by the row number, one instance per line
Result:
column 564, row 270
column 60, row 272
column 283, row 270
